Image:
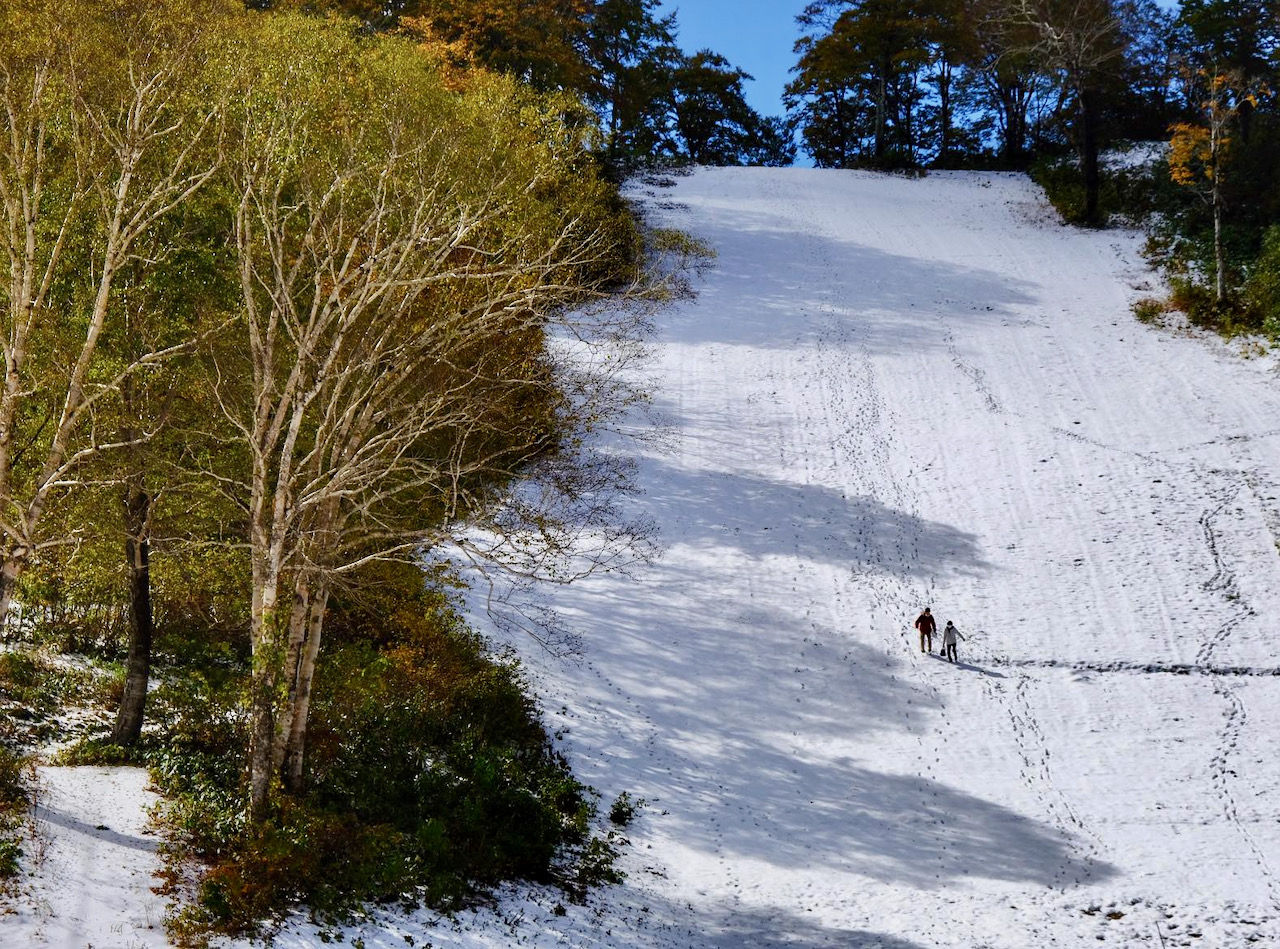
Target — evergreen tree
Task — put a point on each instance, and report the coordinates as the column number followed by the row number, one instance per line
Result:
column 1241, row 37
column 633, row 58
column 878, row 81
column 715, row 124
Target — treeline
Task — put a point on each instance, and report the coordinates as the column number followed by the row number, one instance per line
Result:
column 653, row 102
column 289, row 308
column 1011, row 83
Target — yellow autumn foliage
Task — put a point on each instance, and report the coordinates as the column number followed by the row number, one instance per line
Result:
column 1191, row 153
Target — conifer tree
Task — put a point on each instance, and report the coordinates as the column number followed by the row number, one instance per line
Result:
column 715, row 124
column 633, row 57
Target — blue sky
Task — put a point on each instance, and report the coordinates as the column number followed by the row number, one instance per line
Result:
column 755, row 35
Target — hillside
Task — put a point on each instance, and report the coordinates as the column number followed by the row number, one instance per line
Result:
column 892, row 393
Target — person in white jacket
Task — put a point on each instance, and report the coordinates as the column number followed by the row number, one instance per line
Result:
column 949, row 641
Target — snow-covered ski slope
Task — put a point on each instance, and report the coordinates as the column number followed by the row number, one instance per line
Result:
column 892, row 393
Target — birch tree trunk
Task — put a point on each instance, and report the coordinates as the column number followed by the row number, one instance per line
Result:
column 1220, row 263
column 297, row 741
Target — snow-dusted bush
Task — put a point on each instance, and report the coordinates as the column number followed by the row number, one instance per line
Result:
column 1263, row 287
column 15, row 799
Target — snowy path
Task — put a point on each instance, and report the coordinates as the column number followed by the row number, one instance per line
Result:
column 91, row 887
column 893, row 393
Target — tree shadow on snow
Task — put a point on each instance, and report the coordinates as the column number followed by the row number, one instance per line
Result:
column 761, row 517
column 888, row 303
column 103, row 833
column 748, row 929
column 750, row 720
column 899, row 829
column 624, row 918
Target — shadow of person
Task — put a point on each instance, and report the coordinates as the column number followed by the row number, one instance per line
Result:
column 969, row 666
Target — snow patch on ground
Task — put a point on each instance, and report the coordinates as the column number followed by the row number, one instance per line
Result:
column 93, row 865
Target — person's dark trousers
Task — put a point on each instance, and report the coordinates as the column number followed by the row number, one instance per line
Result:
column 949, row 651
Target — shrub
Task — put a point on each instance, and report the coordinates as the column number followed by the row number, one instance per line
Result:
column 33, row 687
column 624, row 809
column 97, row 751
column 430, row 777
column 1262, row 289
column 1229, row 316
column 15, row 799
column 1149, row 309
column 1126, row 195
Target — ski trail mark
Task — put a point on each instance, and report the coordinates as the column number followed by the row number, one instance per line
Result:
column 1223, row 582
column 976, row 376
column 1144, row 668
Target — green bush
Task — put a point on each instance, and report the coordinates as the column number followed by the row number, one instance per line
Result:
column 15, row 799
column 1262, row 289
column 1127, row 195
column 429, row 777
column 624, row 809
column 1149, row 309
column 1229, row 316
column 99, row 752
column 34, row 687
column 14, row 779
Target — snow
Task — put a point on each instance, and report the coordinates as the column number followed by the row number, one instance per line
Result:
column 94, row 865
column 892, row 393
column 1135, row 155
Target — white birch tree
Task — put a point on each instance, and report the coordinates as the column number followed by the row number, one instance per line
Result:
column 405, row 255
column 107, row 128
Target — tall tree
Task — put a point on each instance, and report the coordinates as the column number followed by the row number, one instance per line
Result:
column 1002, row 76
column 179, row 287
column 1146, row 101
column 403, row 255
column 1199, row 152
column 1240, row 37
column 633, row 57
column 950, row 45
column 824, row 100
column 109, row 125
column 715, row 124
column 877, row 79
column 1082, row 44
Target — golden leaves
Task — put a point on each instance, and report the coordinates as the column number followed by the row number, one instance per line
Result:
column 1191, row 153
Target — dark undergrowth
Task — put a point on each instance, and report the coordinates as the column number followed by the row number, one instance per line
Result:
column 1126, row 196
column 16, row 790
column 1181, row 245
column 430, row 779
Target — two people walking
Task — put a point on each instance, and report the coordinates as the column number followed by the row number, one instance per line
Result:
column 927, row 626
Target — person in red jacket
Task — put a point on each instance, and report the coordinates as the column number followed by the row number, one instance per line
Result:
column 926, row 625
